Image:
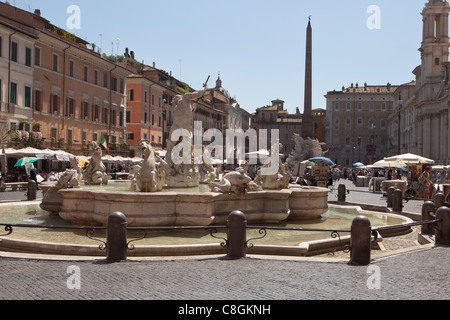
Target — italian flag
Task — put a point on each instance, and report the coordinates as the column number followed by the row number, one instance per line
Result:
column 104, row 143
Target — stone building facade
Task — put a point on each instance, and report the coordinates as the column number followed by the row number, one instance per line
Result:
column 357, row 122
column 61, row 88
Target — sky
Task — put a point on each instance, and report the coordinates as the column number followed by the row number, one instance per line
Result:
column 257, row 46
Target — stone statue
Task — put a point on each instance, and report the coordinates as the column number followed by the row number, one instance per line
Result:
column 183, row 174
column 75, row 166
column 305, row 149
column 277, row 181
column 207, row 171
column 52, row 200
column 237, row 182
column 95, row 172
column 150, row 177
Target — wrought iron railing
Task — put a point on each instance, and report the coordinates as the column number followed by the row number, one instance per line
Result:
column 90, row 231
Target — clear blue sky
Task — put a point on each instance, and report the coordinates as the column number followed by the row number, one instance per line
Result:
column 258, row 46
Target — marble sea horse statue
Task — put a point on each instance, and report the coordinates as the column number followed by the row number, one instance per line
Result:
column 95, row 172
column 151, row 174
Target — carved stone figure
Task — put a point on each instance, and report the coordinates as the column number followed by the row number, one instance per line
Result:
column 95, row 172
column 207, row 171
column 237, row 182
column 183, row 174
column 150, row 177
column 305, row 149
column 52, row 201
column 279, row 180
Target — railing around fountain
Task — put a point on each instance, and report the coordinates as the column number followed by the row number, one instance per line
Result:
column 90, row 231
column 362, row 235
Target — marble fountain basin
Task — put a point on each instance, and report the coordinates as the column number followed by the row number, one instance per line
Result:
column 172, row 208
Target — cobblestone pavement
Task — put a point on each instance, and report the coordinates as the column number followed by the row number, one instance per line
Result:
column 403, row 270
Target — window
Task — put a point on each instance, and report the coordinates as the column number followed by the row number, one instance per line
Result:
column 27, row 97
column 348, row 123
column 13, row 96
column 360, row 106
column 121, row 118
column 96, row 113
column 71, row 68
column 54, row 103
column 336, row 106
column 372, row 107
column 14, row 51
column 128, row 119
column 96, row 77
column 70, row 107
column 153, row 119
column 349, row 106
column 86, row 74
column 336, row 123
column 38, row 100
column 28, row 57
column 105, row 79
column 131, row 95
column 360, row 123
column 122, row 86
column 153, row 99
column 37, row 56
column 55, row 62
column 130, row 136
column 85, row 110
column 114, row 84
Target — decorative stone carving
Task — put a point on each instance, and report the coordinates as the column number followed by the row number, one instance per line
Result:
column 305, row 149
column 277, row 181
column 151, row 175
column 183, row 174
column 237, row 182
column 95, row 173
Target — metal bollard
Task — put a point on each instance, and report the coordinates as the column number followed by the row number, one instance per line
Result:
column 342, row 193
column 237, row 235
column 443, row 227
column 390, row 197
column 31, row 194
column 116, row 238
column 428, row 209
column 439, row 199
column 397, row 202
column 360, row 242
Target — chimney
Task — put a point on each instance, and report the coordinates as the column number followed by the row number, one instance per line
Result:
column 37, row 12
column 132, row 55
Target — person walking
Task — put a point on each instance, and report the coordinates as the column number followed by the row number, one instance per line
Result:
column 425, row 180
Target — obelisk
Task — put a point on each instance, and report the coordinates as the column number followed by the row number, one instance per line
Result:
column 307, row 124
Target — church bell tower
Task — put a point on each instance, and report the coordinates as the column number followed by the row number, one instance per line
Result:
column 435, row 46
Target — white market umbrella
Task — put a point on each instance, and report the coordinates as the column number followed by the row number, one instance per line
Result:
column 389, row 164
column 409, row 158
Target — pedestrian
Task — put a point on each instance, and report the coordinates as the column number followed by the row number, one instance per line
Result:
column 425, row 180
column 33, row 176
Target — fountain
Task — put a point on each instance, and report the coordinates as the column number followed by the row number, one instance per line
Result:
column 147, row 202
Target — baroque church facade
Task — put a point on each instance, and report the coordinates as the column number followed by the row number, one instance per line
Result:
column 419, row 123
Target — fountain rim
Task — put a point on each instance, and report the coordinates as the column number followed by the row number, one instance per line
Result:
column 25, row 247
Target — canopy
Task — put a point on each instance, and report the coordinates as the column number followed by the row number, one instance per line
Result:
column 25, row 160
column 389, row 164
column 409, row 158
column 322, row 159
column 358, row 164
